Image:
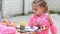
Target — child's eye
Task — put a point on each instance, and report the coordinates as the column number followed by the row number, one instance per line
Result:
column 35, row 9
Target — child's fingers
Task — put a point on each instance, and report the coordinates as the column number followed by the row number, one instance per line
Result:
column 33, row 33
column 13, row 24
column 22, row 33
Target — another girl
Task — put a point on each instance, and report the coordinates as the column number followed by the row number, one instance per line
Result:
column 7, row 28
column 41, row 16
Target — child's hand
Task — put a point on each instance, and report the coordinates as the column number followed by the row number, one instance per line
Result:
column 36, row 24
column 13, row 24
column 33, row 32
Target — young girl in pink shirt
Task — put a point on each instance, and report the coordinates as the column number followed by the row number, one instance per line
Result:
column 41, row 16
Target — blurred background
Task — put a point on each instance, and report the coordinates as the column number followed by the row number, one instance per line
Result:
column 21, row 10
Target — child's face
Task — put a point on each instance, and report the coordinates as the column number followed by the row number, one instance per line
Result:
column 37, row 10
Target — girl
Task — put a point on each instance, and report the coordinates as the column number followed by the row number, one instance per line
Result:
column 41, row 16
column 7, row 28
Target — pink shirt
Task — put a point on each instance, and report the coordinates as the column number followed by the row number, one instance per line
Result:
column 43, row 21
column 7, row 30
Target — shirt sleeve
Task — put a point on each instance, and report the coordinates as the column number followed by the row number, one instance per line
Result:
column 9, row 30
column 53, row 28
column 30, row 21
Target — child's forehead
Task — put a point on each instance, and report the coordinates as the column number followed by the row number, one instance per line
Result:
column 34, row 6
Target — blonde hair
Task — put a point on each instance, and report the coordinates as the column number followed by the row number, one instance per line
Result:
column 5, row 22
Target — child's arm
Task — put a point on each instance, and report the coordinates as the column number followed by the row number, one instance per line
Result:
column 11, row 30
column 52, row 26
column 7, row 30
column 31, row 21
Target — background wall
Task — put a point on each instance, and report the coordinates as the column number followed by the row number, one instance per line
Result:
column 54, row 4
column 12, row 7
